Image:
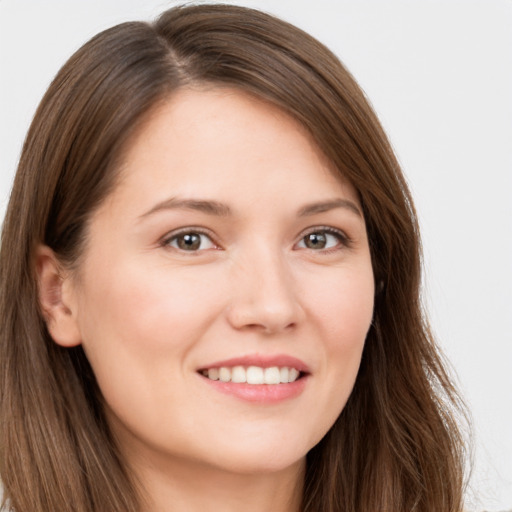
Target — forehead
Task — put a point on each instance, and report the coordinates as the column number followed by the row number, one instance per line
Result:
column 228, row 144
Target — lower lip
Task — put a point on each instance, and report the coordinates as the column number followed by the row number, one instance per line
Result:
column 260, row 393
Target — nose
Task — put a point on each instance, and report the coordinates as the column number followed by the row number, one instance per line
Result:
column 265, row 296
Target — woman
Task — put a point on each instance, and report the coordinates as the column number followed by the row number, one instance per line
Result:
column 210, row 277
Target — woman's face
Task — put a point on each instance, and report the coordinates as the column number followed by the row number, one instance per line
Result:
column 228, row 250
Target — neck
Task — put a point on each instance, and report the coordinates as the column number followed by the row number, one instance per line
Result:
column 184, row 486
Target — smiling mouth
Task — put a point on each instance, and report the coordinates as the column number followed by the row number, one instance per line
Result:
column 255, row 375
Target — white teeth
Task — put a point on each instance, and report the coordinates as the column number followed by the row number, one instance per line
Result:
column 213, row 373
column 224, row 374
column 253, row 374
column 293, row 375
column 272, row 375
column 238, row 374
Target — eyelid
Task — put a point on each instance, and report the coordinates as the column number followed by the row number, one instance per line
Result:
column 168, row 237
column 344, row 240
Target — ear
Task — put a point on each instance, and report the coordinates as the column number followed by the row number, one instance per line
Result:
column 56, row 299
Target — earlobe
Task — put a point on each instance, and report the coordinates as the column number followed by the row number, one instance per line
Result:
column 56, row 302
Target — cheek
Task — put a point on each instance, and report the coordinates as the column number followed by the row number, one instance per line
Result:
column 147, row 309
column 138, row 329
column 352, row 322
column 344, row 305
column 139, row 324
column 343, row 314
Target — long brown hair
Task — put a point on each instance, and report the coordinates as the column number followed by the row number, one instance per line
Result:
column 395, row 447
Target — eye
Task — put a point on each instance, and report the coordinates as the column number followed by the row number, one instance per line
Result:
column 322, row 239
column 190, row 241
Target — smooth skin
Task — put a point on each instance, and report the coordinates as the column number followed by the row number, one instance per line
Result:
column 228, row 235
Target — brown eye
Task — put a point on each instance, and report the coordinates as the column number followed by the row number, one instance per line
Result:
column 323, row 239
column 315, row 241
column 190, row 241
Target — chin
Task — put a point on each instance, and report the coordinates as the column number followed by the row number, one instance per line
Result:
column 262, row 464
column 255, row 456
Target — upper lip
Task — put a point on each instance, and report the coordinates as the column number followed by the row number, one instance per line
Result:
column 261, row 360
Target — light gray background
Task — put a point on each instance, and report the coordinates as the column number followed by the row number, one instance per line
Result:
column 439, row 74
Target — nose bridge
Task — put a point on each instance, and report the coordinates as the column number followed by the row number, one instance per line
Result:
column 265, row 295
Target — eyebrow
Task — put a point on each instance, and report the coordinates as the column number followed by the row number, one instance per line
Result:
column 223, row 210
column 325, row 206
column 201, row 205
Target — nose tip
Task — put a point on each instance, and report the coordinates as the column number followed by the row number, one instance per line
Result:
column 267, row 320
column 265, row 302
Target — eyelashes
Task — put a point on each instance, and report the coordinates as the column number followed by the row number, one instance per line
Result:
column 324, row 239
column 194, row 240
column 191, row 240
